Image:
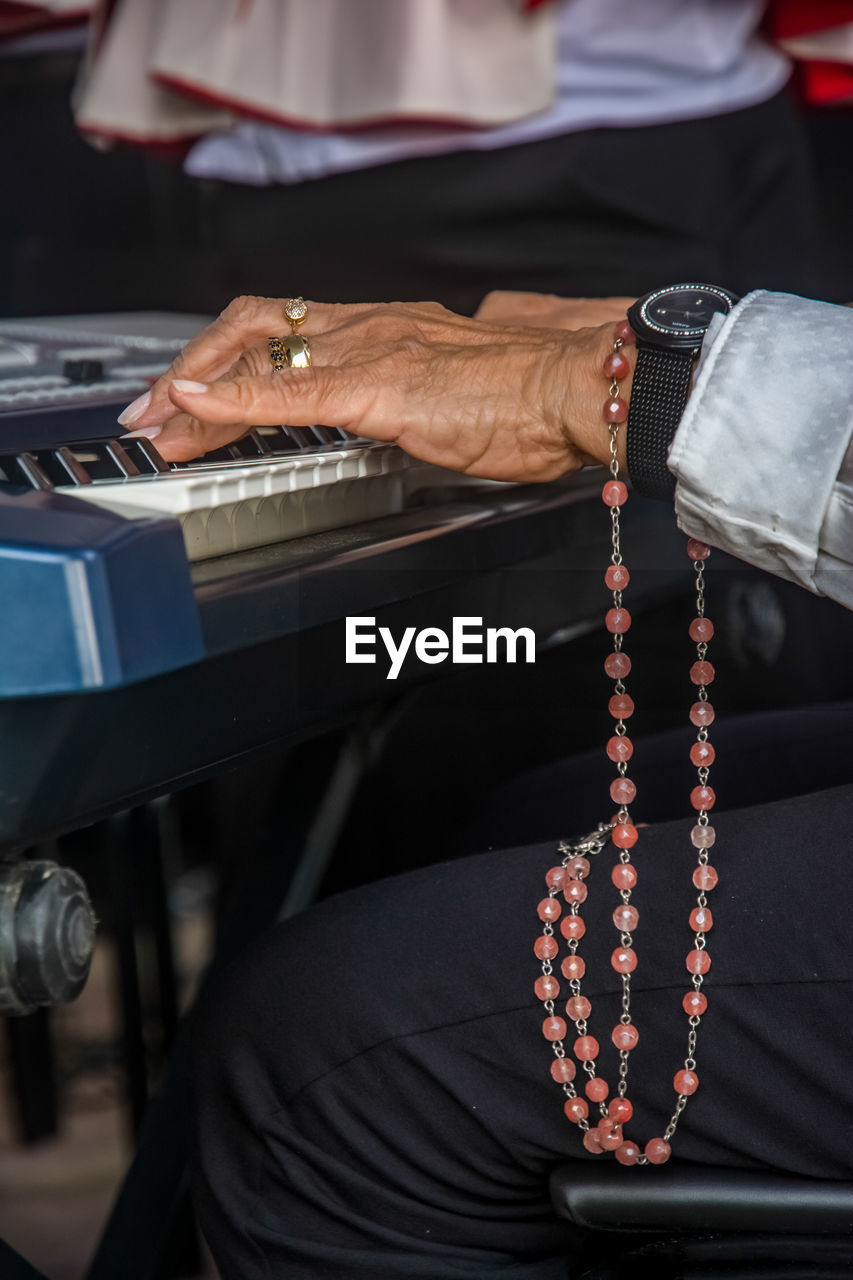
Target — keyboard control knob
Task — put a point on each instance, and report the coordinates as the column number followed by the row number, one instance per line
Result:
column 47, row 935
column 83, row 370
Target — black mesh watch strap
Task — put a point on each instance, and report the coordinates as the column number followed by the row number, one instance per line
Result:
column 658, row 396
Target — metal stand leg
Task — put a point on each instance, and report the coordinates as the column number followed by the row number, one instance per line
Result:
column 33, row 1081
column 122, row 841
column 139, row 1240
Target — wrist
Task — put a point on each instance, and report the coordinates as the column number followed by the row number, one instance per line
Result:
column 584, row 393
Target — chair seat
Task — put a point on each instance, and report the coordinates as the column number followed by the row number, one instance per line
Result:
column 691, row 1198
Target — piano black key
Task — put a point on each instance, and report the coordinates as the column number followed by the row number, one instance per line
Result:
column 308, row 437
column 252, row 446
column 325, row 435
column 145, row 457
column 277, row 439
column 62, row 466
column 102, row 459
column 122, row 458
column 24, row 468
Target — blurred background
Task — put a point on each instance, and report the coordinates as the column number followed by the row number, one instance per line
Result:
column 160, row 156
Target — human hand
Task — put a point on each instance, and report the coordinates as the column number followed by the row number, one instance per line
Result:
column 503, row 306
column 501, row 403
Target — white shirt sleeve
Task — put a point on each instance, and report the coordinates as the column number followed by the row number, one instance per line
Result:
column 763, row 456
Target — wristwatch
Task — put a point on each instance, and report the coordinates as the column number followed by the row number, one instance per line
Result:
column 670, row 325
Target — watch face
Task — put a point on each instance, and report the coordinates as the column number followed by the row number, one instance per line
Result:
column 678, row 316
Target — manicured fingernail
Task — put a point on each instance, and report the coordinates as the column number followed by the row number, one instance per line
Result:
column 190, row 387
column 148, row 432
column 135, row 409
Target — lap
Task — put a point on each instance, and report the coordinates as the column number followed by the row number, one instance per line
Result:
column 371, row 1080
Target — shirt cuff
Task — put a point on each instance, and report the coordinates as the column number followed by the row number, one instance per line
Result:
column 759, row 446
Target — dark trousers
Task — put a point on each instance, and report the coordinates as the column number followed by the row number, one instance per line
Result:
column 372, row 1091
column 728, row 199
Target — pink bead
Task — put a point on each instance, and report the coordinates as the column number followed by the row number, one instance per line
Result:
column 578, row 1008
column 620, row 1110
column 586, row 1048
column 628, row 1153
column 616, row 365
column 624, row 959
column 702, row 797
column 617, row 665
column 701, row 919
column 619, row 748
column 596, row 1089
column 657, row 1151
column 698, row 961
column 622, row 791
column 553, row 1028
column 694, row 1004
column 626, row 333
column 702, row 754
column 685, row 1082
column 618, row 621
column 546, row 947
column 576, row 1109
column 563, row 1070
column 626, row 918
column 555, row 877
column 617, row 577
column 701, row 630
column 615, row 409
column 614, row 493
column 546, row 987
column 572, row 927
column 577, row 868
column 702, row 714
column 591, row 1142
column 573, row 968
column 702, row 672
column 575, row 891
column 702, row 836
column 625, row 1036
column 624, row 835
column 624, row 876
column 697, row 550
column 610, row 1135
column 549, row 909
column 705, row 877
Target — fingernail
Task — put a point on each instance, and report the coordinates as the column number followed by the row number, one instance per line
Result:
column 190, row 387
column 148, row 432
column 135, row 409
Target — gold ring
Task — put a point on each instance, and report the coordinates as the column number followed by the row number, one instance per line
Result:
column 292, row 352
column 295, row 310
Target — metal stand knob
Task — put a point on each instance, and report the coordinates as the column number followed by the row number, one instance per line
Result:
column 47, row 934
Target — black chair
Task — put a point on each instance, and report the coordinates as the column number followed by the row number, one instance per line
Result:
column 690, row 1223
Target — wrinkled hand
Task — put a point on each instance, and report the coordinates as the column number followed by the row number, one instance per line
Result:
column 506, row 307
column 500, row 403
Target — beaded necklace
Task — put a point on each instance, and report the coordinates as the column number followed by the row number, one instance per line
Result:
column 569, row 878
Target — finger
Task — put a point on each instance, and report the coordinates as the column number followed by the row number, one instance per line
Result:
column 508, row 304
column 212, row 352
column 185, row 438
column 225, row 409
